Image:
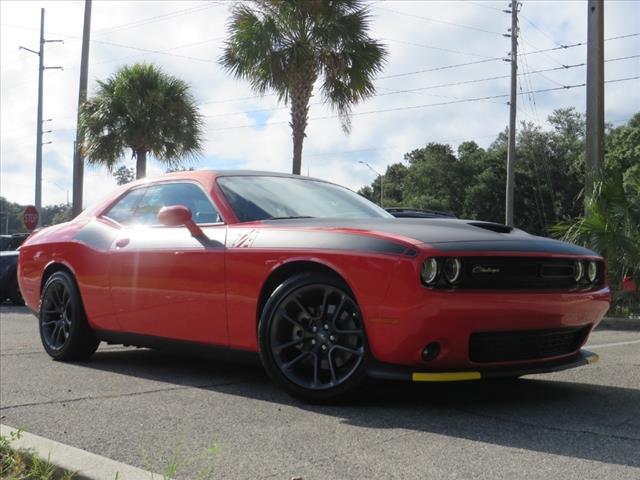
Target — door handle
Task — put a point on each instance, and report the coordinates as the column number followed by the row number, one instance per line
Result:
column 122, row 242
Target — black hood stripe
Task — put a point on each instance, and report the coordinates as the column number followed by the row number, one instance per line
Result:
column 535, row 244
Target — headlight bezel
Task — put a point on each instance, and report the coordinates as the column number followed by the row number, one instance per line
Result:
column 579, row 271
column 431, row 279
column 458, row 270
column 592, row 272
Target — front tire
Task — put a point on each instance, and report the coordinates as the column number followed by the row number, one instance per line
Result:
column 64, row 330
column 312, row 338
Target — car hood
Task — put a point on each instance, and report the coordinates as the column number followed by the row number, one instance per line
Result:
column 442, row 234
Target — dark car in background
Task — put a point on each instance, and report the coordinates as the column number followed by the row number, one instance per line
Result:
column 9, row 289
column 12, row 242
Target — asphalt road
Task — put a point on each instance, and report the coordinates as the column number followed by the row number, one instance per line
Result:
column 217, row 420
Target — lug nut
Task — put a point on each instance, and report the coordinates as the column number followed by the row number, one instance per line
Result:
column 313, row 342
column 314, row 329
column 332, row 338
column 324, row 347
column 326, row 327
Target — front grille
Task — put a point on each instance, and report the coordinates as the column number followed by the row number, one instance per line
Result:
column 521, row 273
column 488, row 347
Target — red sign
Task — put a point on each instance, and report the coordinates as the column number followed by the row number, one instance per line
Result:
column 30, row 217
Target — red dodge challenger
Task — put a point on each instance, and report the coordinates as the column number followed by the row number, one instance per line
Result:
column 326, row 286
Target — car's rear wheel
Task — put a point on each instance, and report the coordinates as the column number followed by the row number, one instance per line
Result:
column 64, row 330
column 312, row 338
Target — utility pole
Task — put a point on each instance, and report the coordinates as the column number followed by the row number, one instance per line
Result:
column 78, row 157
column 595, row 96
column 41, row 69
column 511, row 153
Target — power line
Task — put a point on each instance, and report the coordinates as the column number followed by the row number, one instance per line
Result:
column 156, row 18
column 435, row 20
column 395, row 92
column 435, row 69
column 441, row 49
column 415, row 107
column 530, row 22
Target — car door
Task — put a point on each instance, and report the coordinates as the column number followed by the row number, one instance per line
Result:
column 164, row 282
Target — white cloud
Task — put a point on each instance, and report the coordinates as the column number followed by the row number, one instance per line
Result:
column 195, row 30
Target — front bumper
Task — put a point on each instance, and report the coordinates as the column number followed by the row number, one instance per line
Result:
column 395, row 372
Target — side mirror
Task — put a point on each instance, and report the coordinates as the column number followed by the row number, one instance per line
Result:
column 177, row 215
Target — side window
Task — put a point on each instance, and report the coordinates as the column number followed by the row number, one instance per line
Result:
column 165, row 194
column 123, row 210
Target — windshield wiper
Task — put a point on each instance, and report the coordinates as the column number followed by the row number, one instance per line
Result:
column 289, row 218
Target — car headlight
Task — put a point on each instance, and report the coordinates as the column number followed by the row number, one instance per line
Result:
column 429, row 271
column 578, row 270
column 452, row 269
column 592, row 271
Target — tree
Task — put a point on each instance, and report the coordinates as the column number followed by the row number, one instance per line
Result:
column 143, row 109
column 286, row 45
column 612, row 229
column 124, row 175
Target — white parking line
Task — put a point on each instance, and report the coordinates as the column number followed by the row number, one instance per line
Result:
column 617, row 344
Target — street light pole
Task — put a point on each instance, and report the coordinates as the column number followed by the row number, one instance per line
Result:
column 381, row 181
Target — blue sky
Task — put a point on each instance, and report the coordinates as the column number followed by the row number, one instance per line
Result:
column 185, row 39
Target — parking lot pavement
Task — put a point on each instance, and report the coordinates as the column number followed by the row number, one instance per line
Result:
column 217, row 420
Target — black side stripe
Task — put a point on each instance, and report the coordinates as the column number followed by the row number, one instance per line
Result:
column 288, row 239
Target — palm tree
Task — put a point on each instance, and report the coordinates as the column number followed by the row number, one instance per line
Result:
column 612, row 228
column 143, row 109
column 286, row 45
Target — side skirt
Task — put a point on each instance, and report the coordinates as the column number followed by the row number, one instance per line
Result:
column 180, row 347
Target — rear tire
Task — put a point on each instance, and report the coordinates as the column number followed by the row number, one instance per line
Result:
column 312, row 338
column 64, row 330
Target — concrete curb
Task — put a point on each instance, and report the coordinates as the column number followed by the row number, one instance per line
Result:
column 86, row 465
column 612, row 323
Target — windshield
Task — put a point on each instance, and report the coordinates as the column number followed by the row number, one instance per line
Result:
column 263, row 198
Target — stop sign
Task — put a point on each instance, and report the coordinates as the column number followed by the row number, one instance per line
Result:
column 30, row 217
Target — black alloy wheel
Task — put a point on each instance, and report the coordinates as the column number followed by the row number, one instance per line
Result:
column 312, row 338
column 64, row 330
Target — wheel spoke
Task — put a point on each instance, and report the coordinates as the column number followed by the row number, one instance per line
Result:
column 49, row 322
column 348, row 332
column 316, row 368
column 288, row 365
column 336, row 313
column 291, row 320
column 358, row 353
column 331, row 367
column 57, row 296
column 60, row 337
column 302, row 307
column 292, row 343
column 54, row 333
column 323, row 308
column 51, row 312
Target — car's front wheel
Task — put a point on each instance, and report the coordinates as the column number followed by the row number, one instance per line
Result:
column 64, row 330
column 312, row 338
